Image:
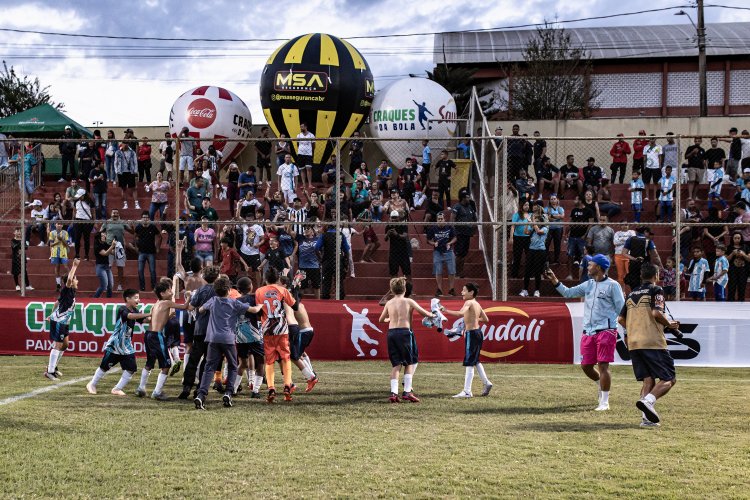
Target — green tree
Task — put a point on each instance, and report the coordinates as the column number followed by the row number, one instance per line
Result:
column 21, row 93
column 457, row 81
column 555, row 80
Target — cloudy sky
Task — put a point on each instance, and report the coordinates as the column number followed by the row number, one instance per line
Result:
column 120, row 81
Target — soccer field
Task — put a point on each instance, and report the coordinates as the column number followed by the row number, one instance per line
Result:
column 535, row 435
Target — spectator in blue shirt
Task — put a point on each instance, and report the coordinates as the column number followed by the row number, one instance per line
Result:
column 247, row 182
column 442, row 238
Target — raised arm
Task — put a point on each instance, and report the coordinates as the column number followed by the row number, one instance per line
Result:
column 420, row 309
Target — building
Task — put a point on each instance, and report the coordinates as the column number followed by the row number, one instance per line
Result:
column 640, row 70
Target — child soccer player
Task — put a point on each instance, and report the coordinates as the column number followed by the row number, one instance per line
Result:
column 155, row 338
column 473, row 314
column 402, row 349
column 221, row 337
column 720, row 278
column 697, row 269
column 59, row 320
column 249, row 343
column 669, row 279
column 15, row 246
column 119, row 348
column 636, row 194
column 300, row 338
column 667, row 187
column 58, row 248
column 714, row 186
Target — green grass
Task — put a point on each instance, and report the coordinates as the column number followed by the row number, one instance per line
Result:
column 535, row 436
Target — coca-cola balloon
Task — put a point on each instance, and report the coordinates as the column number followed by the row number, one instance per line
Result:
column 320, row 80
column 214, row 114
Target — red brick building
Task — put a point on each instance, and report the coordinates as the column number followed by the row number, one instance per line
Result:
column 640, row 70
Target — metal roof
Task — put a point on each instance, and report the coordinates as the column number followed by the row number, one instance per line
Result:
column 610, row 42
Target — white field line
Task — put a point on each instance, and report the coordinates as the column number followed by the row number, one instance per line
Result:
column 49, row 388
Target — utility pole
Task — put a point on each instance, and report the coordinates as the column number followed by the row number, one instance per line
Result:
column 703, row 89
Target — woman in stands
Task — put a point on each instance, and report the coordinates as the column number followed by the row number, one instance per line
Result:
column 520, row 236
column 589, row 201
column 159, row 195
column 556, row 214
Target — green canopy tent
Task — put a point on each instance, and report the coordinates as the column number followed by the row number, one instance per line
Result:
column 43, row 122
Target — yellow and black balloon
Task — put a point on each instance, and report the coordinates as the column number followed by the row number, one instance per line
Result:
column 320, row 80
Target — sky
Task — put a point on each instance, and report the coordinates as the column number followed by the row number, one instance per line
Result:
column 115, row 82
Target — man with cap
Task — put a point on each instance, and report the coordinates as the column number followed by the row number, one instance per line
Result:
column 68, row 150
column 603, row 301
column 619, row 153
column 39, row 226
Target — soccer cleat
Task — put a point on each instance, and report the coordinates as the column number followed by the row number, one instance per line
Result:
column 311, row 383
column 602, row 407
column 409, row 396
column 125, row 206
column 254, row 395
column 271, row 395
column 394, row 398
column 159, row 396
column 218, row 387
column 648, row 410
column 175, row 367
column 293, row 388
column 524, row 293
column 649, row 425
column 58, row 373
column 464, row 395
column 185, row 392
column 199, row 404
column 537, row 294
column 486, row 389
column 227, row 400
column 117, row 392
column 141, row 393
column 137, row 206
column 50, row 376
column 91, row 388
column 288, row 392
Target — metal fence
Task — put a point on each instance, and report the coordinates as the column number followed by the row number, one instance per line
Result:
column 384, row 220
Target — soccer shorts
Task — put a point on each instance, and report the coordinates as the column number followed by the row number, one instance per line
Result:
column 156, row 350
column 126, row 361
column 719, row 293
column 598, row 348
column 401, row 347
column 58, row 331
column 700, row 295
column 172, row 333
column 276, row 347
column 58, row 261
column 299, row 340
column 312, row 278
column 652, row 363
column 304, row 161
column 254, row 349
column 473, row 341
column 188, row 331
column 251, row 260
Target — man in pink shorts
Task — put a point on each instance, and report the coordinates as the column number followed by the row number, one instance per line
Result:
column 603, row 301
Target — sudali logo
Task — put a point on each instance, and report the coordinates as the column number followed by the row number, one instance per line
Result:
column 679, row 348
column 301, row 81
column 516, row 328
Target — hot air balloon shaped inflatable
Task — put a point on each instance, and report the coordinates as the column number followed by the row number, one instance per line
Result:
column 319, row 80
column 213, row 113
column 412, row 108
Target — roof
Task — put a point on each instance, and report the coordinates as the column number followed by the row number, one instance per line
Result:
column 610, row 42
column 41, row 121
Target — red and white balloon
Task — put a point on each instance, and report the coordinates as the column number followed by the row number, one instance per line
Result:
column 215, row 115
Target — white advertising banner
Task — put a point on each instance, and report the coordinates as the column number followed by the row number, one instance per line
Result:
column 715, row 334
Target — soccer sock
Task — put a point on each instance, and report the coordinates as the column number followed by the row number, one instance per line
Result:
column 144, row 378
column 225, row 371
column 126, row 376
column 286, row 371
column 57, row 361
column 394, row 385
column 307, row 373
column 483, row 374
column 53, row 355
column 468, row 377
column 650, row 398
column 270, row 376
column 98, row 374
column 175, row 352
column 237, row 382
column 407, row 382
column 217, row 376
column 308, row 362
column 160, row 381
column 605, row 398
column 257, row 382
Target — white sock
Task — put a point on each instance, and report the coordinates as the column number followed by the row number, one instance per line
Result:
column 394, row 385
column 160, row 381
column 415, row 369
column 650, row 398
column 605, row 398
column 98, row 374
column 407, row 382
column 185, row 358
column 57, row 362
column 468, row 377
column 53, row 356
column 144, row 378
column 306, row 360
column 126, row 376
column 483, row 374
column 237, row 382
column 307, row 373
column 58, row 280
column 257, row 382
column 225, row 371
column 175, row 352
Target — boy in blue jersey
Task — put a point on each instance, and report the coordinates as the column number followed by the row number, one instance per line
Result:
column 59, row 320
column 119, row 348
column 249, row 342
column 696, row 271
column 716, row 179
column 720, row 278
column 636, row 194
column 667, row 187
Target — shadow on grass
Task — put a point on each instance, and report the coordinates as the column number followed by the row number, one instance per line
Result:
column 575, row 426
column 9, row 423
column 527, row 410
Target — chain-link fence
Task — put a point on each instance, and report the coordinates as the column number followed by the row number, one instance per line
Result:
column 497, row 210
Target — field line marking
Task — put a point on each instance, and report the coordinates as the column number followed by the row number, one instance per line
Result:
column 41, row 390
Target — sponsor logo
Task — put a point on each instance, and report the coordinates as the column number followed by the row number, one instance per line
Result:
column 201, row 113
column 242, row 122
column 683, row 348
column 301, row 81
column 509, row 324
column 97, row 319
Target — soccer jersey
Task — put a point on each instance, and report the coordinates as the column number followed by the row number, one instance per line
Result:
column 665, row 186
column 288, row 172
column 121, row 340
column 652, row 154
column 722, row 264
column 58, row 247
column 746, row 195
column 697, row 271
column 636, row 197
column 717, row 178
column 273, row 316
column 643, row 331
column 247, row 331
column 297, row 215
column 65, row 306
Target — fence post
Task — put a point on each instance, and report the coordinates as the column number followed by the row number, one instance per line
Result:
column 678, row 222
column 22, row 176
column 177, row 182
column 504, row 261
column 337, row 198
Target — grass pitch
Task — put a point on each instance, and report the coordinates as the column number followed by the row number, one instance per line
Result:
column 535, row 436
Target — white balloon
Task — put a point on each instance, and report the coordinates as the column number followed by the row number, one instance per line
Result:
column 412, row 108
column 215, row 114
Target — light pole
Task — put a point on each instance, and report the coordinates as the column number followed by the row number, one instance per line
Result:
column 701, row 33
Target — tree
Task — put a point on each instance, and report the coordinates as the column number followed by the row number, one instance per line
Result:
column 21, row 93
column 457, row 81
column 554, row 82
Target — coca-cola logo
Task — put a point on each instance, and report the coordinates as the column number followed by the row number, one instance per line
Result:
column 201, row 113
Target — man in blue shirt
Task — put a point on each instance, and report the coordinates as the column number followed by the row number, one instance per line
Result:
column 442, row 237
column 602, row 305
column 326, row 248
